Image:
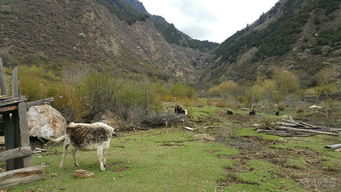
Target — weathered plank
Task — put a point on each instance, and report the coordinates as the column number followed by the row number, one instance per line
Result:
column 307, row 130
column 39, row 102
column 15, row 153
column 21, row 176
column 8, row 108
column 11, row 101
column 15, row 83
column 2, row 79
column 24, row 135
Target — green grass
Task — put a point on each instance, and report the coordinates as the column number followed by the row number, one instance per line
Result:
column 276, row 185
column 150, row 166
column 261, row 171
column 175, row 160
column 243, row 132
column 296, row 163
column 206, row 111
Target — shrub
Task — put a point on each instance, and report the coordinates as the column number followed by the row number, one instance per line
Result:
column 181, row 90
column 226, row 89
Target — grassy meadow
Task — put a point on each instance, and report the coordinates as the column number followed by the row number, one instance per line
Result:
column 173, row 159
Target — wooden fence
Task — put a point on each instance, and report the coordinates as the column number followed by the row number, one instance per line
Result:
column 17, row 155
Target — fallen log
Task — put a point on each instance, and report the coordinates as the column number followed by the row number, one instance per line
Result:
column 307, row 130
column 309, row 126
column 287, row 124
column 335, row 146
column 285, row 133
column 302, row 124
column 21, row 176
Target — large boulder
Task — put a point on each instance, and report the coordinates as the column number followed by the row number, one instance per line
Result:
column 45, row 121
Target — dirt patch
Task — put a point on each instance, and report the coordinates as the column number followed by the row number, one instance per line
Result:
column 250, row 142
column 223, row 156
column 230, row 180
column 205, row 137
column 118, row 166
column 318, row 183
column 123, row 169
column 212, row 151
column 165, row 144
column 239, row 118
column 28, row 173
column 115, row 164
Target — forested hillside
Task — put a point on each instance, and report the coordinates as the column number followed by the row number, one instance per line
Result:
column 299, row 35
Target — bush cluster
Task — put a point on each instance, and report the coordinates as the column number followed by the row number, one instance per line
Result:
column 82, row 99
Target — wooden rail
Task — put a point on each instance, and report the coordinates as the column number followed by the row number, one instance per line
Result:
column 15, row 153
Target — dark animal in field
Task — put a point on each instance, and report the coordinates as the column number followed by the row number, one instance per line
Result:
column 252, row 112
column 86, row 137
column 228, row 112
column 180, row 110
column 277, row 113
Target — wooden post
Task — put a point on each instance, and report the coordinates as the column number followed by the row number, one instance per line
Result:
column 2, row 79
column 24, row 135
column 9, row 138
column 18, row 162
column 15, row 84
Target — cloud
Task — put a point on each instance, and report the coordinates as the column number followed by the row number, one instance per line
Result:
column 195, row 10
column 214, row 20
column 196, row 31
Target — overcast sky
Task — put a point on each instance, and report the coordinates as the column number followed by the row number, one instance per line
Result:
column 213, row 20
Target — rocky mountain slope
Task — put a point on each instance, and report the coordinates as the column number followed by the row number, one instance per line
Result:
column 170, row 33
column 300, row 35
column 91, row 33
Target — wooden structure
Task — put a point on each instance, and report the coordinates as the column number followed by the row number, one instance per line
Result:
column 17, row 155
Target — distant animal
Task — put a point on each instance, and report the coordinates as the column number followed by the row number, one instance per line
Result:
column 86, row 137
column 252, row 112
column 277, row 113
column 228, row 112
column 179, row 110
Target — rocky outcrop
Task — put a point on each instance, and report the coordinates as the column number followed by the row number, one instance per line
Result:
column 88, row 34
column 45, row 122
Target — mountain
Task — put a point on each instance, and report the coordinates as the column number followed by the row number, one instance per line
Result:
column 98, row 34
column 300, row 35
column 133, row 10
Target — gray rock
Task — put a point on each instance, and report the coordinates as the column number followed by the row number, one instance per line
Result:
column 45, row 122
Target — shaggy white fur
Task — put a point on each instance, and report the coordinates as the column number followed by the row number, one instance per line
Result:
column 86, row 137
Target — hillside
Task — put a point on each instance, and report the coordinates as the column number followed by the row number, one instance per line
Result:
column 90, row 34
column 133, row 10
column 300, row 35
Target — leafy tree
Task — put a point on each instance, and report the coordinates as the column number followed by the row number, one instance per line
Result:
column 287, row 82
column 225, row 89
column 181, row 90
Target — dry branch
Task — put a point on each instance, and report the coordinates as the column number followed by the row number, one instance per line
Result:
column 292, row 128
column 307, row 130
